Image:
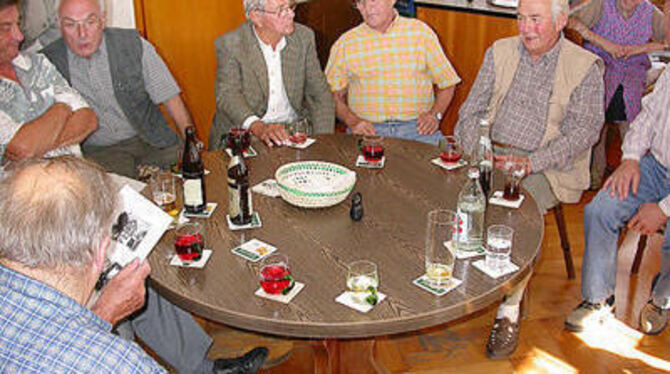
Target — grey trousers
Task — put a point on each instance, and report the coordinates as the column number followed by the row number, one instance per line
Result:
column 170, row 332
column 125, row 156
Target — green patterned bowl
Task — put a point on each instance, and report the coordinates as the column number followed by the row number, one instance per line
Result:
column 314, row 184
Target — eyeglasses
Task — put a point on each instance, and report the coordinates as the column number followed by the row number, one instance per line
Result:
column 281, row 12
column 89, row 23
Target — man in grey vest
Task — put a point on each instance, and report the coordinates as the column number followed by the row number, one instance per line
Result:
column 123, row 78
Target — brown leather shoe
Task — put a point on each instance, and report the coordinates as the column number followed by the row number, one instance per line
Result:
column 503, row 339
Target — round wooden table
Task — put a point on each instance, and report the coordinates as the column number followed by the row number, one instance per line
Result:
column 320, row 242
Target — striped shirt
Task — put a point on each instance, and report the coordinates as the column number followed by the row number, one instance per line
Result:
column 389, row 76
column 651, row 129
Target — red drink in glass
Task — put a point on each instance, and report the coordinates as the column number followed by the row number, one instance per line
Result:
column 241, row 133
column 450, row 157
column 275, row 278
column 373, row 153
column 189, row 246
column 298, row 138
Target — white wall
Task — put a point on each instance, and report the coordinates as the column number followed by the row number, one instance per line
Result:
column 120, row 13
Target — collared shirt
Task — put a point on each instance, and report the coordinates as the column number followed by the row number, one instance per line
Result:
column 389, row 76
column 279, row 107
column 40, row 87
column 93, row 78
column 522, row 118
column 44, row 331
column 590, row 12
column 650, row 131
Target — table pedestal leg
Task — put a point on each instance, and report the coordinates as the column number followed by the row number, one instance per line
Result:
column 347, row 356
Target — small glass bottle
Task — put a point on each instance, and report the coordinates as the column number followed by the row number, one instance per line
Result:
column 484, row 156
column 193, row 173
column 470, row 214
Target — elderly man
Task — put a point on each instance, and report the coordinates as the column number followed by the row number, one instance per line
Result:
column 40, row 115
column 543, row 95
column 123, row 78
column 638, row 192
column 389, row 76
column 54, row 234
column 269, row 76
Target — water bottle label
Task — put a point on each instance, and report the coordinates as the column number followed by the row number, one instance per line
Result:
column 461, row 233
column 485, row 142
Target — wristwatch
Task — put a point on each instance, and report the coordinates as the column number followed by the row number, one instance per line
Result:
column 438, row 115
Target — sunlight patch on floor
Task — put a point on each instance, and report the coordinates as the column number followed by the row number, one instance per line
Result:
column 539, row 361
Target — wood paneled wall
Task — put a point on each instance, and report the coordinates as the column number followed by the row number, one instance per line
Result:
column 465, row 38
column 183, row 33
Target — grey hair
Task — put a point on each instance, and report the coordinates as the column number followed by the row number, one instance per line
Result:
column 250, row 5
column 55, row 212
column 101, row 3
column 558, row 7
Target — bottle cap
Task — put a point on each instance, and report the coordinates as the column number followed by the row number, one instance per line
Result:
column 473, row 173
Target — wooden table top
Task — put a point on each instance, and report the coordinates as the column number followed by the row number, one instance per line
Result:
column 320, row 242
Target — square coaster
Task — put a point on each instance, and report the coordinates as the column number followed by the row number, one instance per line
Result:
column 425, row 284
column 495, row 273
column 302, row 145
column 209, row 210
column 251, row 152
column 347, row 298
column 255, row 223
column 267, row 187
column 497, row 199
column 449, row 166
column 361, row 163
column 206, row 253
column 254, row 250
column 297, row 287
column 462, row 255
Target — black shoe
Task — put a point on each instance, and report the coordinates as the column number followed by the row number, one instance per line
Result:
column 247, row 364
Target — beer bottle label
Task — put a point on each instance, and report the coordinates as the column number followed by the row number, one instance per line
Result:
column 233, row 201
column 193, row 192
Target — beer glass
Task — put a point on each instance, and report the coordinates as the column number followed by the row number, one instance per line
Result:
column 372, row 148
column 299, row 131
column 189, row 241
column 514, row 172
column 498, row 246
column 163, row 190
column 274, row 274
column 239, row 133
column 439, row 259
column 450, row 150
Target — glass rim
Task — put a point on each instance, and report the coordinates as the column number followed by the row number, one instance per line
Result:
column 366, row 263
column 196, row 226
column 504, row 229
column 439, row 216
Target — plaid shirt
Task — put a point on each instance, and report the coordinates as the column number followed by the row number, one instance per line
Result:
column 389, row 76
column 44, row 331
column 522, row 118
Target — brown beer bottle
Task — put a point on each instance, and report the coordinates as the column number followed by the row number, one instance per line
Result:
column 193, row 173
column 239, row 196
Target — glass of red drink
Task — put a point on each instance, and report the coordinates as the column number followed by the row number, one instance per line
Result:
column 450, row 150
column 275, row 274
column 189, row 241
column 299, row 131
column 514, row 173
column 372, row 148
column 242, row 134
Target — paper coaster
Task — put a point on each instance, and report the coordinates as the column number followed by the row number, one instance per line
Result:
column 424, row 283
column 449, row 166
column 361, row 163
column 209, row 210
column 251, row 152
column 267, row 187
column 302, row 145
column 254, row 250
column 495, row 273
column 297, row 287
column 206, row 253
column 178, row 173
column 347, row 298
column 462, row 255
column 255, row 223
column 497, row 199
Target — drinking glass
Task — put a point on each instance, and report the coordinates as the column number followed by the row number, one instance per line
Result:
column 440, row 259
column 450, row 150
column 372, row 148
column 514, row 172
column 275, row 274
column 299, row 131
column 363, row 281
column 241, row 134
column 163, row 190
column 498, row 246
column 189, row 241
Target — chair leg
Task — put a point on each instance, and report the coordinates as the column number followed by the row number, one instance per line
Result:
column 565, row 244
column 641, row 244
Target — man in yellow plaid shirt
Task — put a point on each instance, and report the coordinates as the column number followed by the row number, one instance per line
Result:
column 389, row 76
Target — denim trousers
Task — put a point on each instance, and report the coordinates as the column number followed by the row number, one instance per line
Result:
column 604, row 217
column 406, row 130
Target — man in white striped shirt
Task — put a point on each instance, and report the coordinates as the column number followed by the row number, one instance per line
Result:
column 637, row 194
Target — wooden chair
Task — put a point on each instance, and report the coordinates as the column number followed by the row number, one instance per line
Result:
column 565, row 244
column 641, row 245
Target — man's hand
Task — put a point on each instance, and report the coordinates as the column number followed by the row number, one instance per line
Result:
column 427, row 123
column 124, row 294
column 500, row 161
column 616, row 50
column 648, row 219
column 364, row 127
column 624, row 179
column 271, row 134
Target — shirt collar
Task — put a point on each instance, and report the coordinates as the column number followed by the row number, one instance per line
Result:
column 393, row 25
column 548, row 56
column 22, row 62
column 267, row 47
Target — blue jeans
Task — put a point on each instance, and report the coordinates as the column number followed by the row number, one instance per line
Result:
column 603, row 219
column 406, row 130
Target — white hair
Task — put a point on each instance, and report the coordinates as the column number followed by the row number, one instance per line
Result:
column 250, row 5
column 558, row 7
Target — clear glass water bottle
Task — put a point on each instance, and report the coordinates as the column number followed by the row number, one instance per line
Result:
column 484, row 156
column 470, row 214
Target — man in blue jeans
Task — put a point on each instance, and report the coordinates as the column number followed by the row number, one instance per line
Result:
column 637, row 194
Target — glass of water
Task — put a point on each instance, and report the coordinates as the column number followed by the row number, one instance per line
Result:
column 439, row 258
column 363, row 281
column 498, row 246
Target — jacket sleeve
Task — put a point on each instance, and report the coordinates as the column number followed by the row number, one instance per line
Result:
column 318, row 99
